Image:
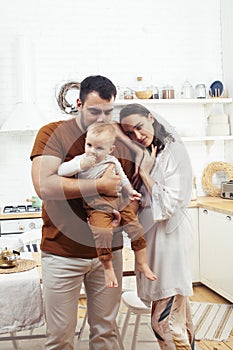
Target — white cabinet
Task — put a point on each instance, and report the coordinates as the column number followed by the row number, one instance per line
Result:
column 193, row 212
column 216, row 258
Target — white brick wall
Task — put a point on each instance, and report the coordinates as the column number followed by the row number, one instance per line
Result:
column 165, row 41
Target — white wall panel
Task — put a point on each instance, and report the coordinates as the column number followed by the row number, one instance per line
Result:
column 166, row 41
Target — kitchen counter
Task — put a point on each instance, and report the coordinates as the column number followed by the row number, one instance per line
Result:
column 19, row 215
column 217, row 204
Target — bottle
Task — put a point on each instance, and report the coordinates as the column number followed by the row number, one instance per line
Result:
column 155, row 92
column 143, row 91
column 140, row 85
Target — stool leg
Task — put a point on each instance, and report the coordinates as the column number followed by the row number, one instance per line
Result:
column 82, row 329
column 135, row 334
column 120, row 313
column 120, row 343
column 125, row 325
column 14, row 342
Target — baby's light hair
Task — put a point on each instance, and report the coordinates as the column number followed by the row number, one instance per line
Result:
column 98, row 128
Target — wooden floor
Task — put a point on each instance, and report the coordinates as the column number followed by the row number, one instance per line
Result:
column 204, row 294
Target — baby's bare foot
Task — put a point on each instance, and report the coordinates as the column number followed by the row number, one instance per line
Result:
column 144, row 268
column 110, row 279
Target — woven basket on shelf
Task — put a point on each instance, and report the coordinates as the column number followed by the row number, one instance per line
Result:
column 207, row 176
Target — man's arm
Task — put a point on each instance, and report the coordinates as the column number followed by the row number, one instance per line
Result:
column 49, row 185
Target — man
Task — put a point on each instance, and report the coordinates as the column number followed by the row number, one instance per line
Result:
column 69, row 255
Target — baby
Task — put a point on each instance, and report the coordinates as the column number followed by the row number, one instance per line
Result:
column 99, row 145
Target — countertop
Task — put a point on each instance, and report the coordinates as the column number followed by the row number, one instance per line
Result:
column 218, row 204
column 19, row 215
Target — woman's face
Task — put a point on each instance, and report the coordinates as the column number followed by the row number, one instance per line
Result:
column 139, row 128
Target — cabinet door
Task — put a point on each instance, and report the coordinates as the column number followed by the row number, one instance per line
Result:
column 216, row 258
column 193, row 212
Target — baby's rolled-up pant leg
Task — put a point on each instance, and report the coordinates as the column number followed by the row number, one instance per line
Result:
column 101, row 226
column 133, row 228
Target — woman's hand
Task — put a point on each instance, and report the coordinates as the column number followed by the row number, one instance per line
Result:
column 148, row 160
column 146, row 167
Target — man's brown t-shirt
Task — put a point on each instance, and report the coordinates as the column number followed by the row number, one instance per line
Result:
column 65, row 230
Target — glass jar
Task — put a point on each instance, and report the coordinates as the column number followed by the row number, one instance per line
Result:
column 128, row 94
column 200, row 91
column 168, row 92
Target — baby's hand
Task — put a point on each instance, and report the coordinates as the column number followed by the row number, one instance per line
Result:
column 87, row 162
column 134, row 195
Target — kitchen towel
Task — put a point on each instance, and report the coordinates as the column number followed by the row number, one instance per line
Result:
column 212, row 321
column 21, row 302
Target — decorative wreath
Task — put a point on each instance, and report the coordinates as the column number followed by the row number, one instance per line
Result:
column 208, row 173
column 61, row 99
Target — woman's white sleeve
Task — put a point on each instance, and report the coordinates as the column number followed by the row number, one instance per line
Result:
column 173, row 185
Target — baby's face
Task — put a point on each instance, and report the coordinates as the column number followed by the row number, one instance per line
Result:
column 98, row 146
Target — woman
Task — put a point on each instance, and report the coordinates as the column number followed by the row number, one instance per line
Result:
column 166, row 175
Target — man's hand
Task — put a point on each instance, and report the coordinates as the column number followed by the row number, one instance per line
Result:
column 110, row 183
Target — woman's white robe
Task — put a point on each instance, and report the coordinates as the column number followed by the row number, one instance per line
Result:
column 167, row 226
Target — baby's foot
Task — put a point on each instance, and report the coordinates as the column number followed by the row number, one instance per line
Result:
column 144, row 268
column 110, row 279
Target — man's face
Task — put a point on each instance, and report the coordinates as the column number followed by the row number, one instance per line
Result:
column 95, row 109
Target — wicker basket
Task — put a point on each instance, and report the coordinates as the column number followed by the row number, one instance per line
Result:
column 207, row 176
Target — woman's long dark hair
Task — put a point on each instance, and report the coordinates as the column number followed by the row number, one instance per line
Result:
column 161, row 135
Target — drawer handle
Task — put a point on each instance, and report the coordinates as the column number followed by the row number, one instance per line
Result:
column 228, row 218
column 205, row 211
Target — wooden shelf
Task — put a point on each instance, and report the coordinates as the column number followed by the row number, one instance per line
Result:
column 206, row 138
column 196, row 101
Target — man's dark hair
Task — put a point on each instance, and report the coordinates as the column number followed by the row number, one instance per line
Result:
column 105, row 88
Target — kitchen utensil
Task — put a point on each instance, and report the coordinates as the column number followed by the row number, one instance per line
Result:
column 227, row 189
column 8, row 258
column 216, row 89
column 36, row 201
